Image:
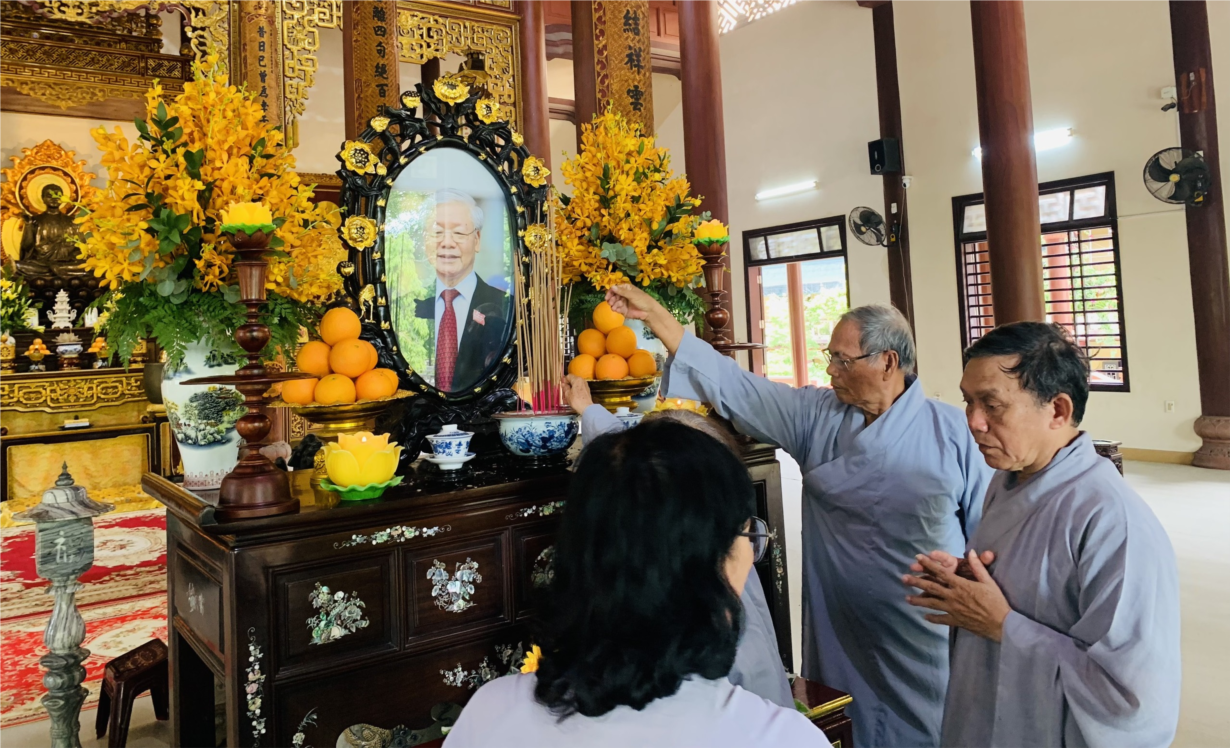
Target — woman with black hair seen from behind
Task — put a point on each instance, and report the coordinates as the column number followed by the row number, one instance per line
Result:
column 643, row 615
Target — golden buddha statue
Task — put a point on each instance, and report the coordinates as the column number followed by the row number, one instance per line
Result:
column 49, row 241
column 38, row 197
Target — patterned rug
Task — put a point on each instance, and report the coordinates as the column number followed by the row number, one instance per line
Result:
column 123, row 602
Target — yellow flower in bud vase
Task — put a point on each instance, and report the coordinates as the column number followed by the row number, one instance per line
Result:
column 711, row 232
column 247, row 217
column 451, row 89
column 358, row 157
column 488, row 110
column 530, row 664
column 359, row 232
column 361, row 459
column 534, row 172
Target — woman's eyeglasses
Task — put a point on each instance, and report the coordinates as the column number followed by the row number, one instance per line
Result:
column 758, row 533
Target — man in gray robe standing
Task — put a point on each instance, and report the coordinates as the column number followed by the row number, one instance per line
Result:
column 887, row 474
column 1070, row 635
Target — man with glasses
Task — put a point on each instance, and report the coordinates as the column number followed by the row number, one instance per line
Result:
column 1066, row 631
column 469, row 314
column 887, row 474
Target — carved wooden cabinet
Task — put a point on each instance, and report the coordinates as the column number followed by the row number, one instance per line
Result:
column 367, row 612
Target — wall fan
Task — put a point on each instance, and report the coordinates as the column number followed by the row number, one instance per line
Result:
column 868, row 227
column 1178, row 176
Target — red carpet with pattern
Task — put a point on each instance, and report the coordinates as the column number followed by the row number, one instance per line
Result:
column 123, row 602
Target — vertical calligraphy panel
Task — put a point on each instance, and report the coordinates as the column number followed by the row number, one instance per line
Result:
column 261, row 55
column 370, row 53
column 622, row 65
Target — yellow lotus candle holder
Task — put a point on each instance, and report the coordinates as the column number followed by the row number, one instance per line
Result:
column 361, row 466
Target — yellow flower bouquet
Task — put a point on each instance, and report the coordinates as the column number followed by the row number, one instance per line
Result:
column 154, row 235
column 629, row 219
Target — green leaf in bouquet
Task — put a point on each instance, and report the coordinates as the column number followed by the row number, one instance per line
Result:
column 275, row 242
column 231, row 294
column 166, row 287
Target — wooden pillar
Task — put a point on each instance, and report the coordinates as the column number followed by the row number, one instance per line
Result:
column 900, row 276
column 535, row 108
column 369, row 53
column 260, row 65
column 584, row 79
column 1009, row 173
column 798, row 324
column 704, row 135
column 1206, row 231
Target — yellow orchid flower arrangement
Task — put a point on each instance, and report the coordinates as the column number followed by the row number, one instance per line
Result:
column 629, row 219
column 153, row 236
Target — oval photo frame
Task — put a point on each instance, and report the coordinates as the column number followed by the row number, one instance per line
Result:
column 420, row 194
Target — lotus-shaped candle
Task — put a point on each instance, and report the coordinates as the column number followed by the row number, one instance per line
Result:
column 248, row 218
column 361, row 466
column 711, row 232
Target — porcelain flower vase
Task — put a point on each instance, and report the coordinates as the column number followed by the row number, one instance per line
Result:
column 203, row 417
column 647, row 341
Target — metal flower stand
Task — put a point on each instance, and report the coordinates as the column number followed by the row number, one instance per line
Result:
column 64, row 550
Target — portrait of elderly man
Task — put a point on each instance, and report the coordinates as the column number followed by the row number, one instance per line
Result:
column 887, row 474
column 1068, row 632
column 469, row 315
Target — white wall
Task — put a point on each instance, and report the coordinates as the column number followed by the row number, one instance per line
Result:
column 1097, row 67
column 322, row 126
column 799, row 92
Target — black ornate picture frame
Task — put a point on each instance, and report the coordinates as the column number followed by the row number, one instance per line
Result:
column 454, row 114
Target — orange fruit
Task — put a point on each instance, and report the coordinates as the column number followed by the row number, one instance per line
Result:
column 313, row 358
column 299, row 391
column 351, row 357
column 611, row 366
column 620, row 341
column 374, row 385
column 606, row 318
column 335, row 389
column 582, row 366
column 592, row 342
column 375, row 357
column 641, row 364
column 390, row 375
column 339, row 324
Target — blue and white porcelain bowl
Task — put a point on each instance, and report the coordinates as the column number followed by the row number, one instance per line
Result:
column 534, row 435
column 627, row 418
column 450, row 442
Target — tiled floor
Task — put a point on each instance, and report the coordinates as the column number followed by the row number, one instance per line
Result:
column 1193, row 505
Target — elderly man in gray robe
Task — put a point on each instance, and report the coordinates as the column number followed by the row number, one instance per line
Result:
column 887, row 474
column 1067, row 634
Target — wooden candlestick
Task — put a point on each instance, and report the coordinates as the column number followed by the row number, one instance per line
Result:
column 717, row 319
column 256, row 487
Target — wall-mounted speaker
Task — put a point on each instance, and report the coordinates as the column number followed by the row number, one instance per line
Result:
column 885, row 156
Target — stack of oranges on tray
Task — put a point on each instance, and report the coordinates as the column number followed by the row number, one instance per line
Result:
column 342, row 367
column 608, row 349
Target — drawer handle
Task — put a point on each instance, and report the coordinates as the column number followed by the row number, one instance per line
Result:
column 510, row 658
column 338, row 614
column 452, row 592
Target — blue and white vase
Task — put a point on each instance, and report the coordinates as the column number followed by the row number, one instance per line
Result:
column 647, row 341
column 538, row 436
column 203, row 417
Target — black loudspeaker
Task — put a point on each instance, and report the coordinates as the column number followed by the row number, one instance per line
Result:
column 885, row 156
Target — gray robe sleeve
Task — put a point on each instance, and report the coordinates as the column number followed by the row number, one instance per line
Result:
column 772, row 412
column 1118, row 669
column 596, row 421
column 758, row 662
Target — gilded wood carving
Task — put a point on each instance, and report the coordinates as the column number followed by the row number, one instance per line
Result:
column 63, row 395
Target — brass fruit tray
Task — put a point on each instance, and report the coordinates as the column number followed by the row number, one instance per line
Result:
column 617, row 393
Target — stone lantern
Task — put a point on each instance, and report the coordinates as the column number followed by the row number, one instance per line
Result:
column 64, row 550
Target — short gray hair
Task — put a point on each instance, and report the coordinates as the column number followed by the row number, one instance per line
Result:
column 883, row 328
column 457, row 196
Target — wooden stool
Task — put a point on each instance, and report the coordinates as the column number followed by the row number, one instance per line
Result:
column 126, row 677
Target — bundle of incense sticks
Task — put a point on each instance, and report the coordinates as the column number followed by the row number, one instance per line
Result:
column 541, row 325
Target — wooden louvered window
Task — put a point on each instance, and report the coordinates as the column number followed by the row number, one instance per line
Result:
column 1081, row 278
